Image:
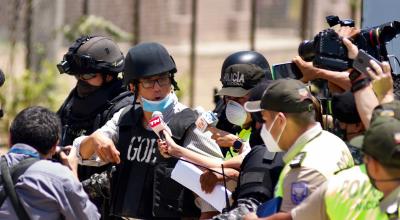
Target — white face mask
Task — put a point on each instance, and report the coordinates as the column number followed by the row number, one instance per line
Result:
column 235, row 113
column 267, row 138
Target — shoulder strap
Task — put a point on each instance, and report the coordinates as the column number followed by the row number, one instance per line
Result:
column 117, row 103
column 9, row 179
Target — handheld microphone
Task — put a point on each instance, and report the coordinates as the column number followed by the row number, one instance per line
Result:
column 206, row 119
column 158, row 125
column 2, row 78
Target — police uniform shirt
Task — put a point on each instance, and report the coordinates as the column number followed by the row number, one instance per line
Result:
column 390, row 204
column 353, row 197
column 47, row 190
column 312, row 208
column 315, row 156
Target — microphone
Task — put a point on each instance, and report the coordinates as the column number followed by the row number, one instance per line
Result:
column 2, row 78
column 206, row 119
column 158, row 125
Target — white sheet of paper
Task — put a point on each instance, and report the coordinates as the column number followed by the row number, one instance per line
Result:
column 189, row 176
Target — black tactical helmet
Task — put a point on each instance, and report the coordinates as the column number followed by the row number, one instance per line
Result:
column 147, row 59
column 247, row 57
column 92, row 54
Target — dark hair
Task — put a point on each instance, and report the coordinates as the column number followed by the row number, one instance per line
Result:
column 37, row 127
column 303, row 118
column 317, row 110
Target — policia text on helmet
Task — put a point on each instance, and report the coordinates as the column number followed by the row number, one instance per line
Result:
column 146, row 60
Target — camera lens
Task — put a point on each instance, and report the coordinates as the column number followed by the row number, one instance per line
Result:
column 306, row 50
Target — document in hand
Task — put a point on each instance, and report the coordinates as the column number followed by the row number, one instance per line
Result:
column 189, row 176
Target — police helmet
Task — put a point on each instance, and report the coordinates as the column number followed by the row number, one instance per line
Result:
column 147, row 59
column 247, row 57
column 92, row 54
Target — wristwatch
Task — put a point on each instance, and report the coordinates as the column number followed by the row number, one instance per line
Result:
column 237, row 144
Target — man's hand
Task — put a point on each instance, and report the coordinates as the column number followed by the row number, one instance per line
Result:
column 346, row 31
column 382, row 82
column 307, row 69
column 69, row 158
column 105, row 148
column 223, row 138
column 352, row 50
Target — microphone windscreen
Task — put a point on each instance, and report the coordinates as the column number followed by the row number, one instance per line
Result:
column 200, row 110
column 157, row 114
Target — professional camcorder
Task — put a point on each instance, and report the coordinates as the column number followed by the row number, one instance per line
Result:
column 327, row 50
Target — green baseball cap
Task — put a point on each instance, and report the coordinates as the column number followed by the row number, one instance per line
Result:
column 390, row 109
column 283, row 95
column 382, row 141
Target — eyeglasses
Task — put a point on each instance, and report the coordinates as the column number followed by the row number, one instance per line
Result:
column 86, row 76
column 162, row 81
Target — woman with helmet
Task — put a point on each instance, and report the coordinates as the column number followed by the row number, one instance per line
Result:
column 95, row 62
column 141, row 187
column 240, row 57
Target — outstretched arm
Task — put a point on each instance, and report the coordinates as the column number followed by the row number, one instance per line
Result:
column 170, row 148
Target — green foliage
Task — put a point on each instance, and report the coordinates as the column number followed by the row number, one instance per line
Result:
column 29, row 89
column 87, row 25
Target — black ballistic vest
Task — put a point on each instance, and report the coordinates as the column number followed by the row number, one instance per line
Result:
column 259, row 174
column 82, row 116
column 141, row 186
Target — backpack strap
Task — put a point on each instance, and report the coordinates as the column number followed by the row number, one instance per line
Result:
column 9, row 178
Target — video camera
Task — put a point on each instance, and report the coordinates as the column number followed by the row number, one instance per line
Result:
column 327, row 50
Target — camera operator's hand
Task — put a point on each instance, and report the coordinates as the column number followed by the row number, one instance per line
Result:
column 307, row 69
column 346, row 31
column 352, row 50
column 382, row 82
column 69, row 158
column 340, row 80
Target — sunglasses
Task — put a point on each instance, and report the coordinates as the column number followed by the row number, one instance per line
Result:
column 85, row 76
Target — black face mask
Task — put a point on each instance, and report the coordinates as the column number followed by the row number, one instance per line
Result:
column 374, row 181
column 84, row 89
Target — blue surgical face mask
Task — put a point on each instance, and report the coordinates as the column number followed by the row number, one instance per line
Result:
column 161, row 105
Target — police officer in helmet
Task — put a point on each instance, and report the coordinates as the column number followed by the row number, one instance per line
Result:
column 95, row 62
column 241, row 57
column 141, row 186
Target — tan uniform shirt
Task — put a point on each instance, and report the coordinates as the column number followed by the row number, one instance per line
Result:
column 315, row 156
column 313, row 208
